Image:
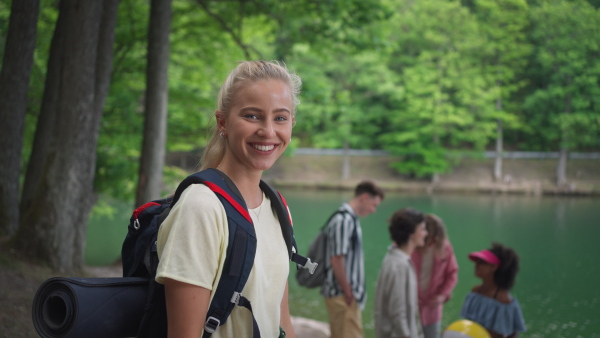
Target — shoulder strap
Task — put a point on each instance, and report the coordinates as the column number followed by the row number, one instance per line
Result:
column 279, row 204
column 241, row 248
column 228, row 189
column 336, row 213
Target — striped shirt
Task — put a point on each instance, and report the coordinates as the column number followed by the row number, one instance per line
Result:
column 344, row 237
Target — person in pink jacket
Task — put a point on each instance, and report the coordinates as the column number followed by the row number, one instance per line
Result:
column 437, row 274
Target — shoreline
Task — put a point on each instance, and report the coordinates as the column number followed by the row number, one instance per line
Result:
column 468, row 176
column 532, row 189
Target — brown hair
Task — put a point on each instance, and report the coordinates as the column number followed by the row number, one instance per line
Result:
column 370, row 188
column 404, row 223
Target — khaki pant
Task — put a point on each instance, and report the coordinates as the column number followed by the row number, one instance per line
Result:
column 344, row 321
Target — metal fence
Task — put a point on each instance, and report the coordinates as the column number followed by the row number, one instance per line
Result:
column 486, row 154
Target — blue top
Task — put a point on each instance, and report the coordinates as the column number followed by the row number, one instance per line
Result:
column 496, row 316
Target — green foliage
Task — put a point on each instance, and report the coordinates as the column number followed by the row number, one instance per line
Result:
column 565, row 100
column 121, row 129
column 201, row 56
column 421, row 79
column 345, row 100
column 447, row 100
column 504, row 51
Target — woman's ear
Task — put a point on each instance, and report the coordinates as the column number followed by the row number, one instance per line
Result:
column 220, row 117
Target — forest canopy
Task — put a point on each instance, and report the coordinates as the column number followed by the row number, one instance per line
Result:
column 420, row 79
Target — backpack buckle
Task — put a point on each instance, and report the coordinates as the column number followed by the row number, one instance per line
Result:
column 235, row 299
column 310, row 266
column 211, row 324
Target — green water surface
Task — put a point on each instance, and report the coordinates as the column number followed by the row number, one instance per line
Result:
column 557, row 239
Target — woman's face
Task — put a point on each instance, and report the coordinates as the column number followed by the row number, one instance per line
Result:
column 484, row 269
column 259, row 126
column 418, row 237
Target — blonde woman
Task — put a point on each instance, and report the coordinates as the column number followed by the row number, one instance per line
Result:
column 254, row 119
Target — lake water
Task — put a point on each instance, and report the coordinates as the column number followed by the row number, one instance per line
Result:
column 557, row 239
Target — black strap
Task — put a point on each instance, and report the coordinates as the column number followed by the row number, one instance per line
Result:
column 192, row 179
column 246, row 303
column 282, row 213
column 229, row 183
column 287, row 229
column 341, row 212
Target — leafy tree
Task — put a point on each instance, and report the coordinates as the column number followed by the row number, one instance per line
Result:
column 344, row 100
column 446, row 101
column 503, row 54
column 564, row 103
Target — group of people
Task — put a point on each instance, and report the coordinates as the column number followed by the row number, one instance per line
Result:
column 256, row 111
column 416, row 278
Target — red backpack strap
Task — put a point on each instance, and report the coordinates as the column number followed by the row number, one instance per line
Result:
column 286, row 207
column 215, row 188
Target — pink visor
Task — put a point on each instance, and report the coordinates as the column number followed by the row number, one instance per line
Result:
column 486, row 256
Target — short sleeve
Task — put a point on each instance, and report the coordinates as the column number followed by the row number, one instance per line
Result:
column 339, row 236
column 192, row 241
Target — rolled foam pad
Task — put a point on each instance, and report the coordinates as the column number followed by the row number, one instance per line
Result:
column 89, row 307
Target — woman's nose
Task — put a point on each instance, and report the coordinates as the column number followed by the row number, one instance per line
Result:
column 267, row 129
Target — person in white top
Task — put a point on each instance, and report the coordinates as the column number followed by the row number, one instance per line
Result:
column 254, row 120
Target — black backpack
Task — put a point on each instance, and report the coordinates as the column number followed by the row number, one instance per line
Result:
column 318, row 251
column 140, row 259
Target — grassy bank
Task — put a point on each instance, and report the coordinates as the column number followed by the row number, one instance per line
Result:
column 520, row 176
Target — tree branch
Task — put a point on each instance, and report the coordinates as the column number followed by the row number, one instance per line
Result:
column 236, row 37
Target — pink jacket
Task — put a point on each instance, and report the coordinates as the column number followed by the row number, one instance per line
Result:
column 444, row 276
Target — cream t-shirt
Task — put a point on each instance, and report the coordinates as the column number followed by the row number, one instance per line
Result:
column 192, row 244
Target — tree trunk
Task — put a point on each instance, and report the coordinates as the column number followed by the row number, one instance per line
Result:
column 346, row 162
column 45, row 122
column 14, row 85
column 435, row 177
column 499, row 150
column 155, row 124
column 59, row 181
column 499, row 145
column 561, row 168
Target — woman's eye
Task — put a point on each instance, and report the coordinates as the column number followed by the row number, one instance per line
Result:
column 251, row 116
column 281, row 118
